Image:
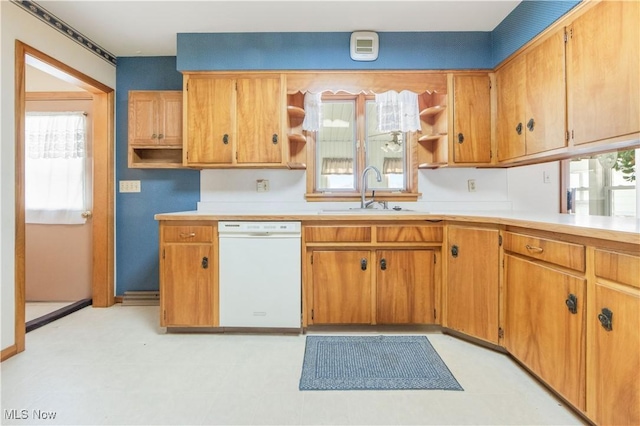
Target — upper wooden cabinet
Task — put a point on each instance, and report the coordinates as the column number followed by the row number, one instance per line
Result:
column 471, row 137
column 603, row 72
column 234, row 121
column 531, row 100
column 155, row 129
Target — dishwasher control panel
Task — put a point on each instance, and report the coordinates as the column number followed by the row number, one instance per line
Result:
column 259, row 227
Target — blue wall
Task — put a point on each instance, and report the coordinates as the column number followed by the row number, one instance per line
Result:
column 161, row 190
column 179, row 190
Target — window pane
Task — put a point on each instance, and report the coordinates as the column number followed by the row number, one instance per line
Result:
column 386, row 152
column 336, row 147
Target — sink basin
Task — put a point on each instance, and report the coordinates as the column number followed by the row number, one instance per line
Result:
column 358, row 210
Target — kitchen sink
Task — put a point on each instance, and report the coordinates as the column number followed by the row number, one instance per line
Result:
column 358, row 210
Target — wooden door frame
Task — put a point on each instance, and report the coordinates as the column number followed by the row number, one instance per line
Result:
column 103, row 179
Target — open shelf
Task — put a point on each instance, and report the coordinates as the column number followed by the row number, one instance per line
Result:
column 155, row 158
column 295, row 137
column 296, row 166
column 431, row 111
column 295, row 112
column 428, row 138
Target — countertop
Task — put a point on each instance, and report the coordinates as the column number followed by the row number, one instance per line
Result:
column 610, row 228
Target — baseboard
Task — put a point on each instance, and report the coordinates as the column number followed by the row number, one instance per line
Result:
column 52, row 316
column 118, row 299
column 8, row 352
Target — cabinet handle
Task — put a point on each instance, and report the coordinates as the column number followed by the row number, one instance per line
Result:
column 534, row 249
column 606, row 319
column 205, row 262
column 460, row 138
column 363, row 264
column 160, row 136
column 383, row 264
column 225, row 139
column 519, row 128
column 531, row 124
column 274, row 139
column 187, row 234
column 572, row 303
column 153, row 136
column 454, row 251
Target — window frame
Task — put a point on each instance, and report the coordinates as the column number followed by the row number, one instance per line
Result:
column 411, row 166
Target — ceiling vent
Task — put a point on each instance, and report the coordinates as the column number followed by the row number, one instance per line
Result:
column 364, row 46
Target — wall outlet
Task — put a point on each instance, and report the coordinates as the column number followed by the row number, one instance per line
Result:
column 471, row 184
column 129, row 186
column 546, row 176
column 262, row 185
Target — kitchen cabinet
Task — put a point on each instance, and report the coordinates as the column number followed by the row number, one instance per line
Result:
column 531, row 100
column 405, row 286
column 188, row 275
column 544, row 325
column 372, row 274
column 155, row 129
column 603, row 65
column 234, row 121
column 471, row 119
column 473, row 278
column 613, row 388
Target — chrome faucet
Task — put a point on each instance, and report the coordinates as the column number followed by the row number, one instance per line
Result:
column 363, row 187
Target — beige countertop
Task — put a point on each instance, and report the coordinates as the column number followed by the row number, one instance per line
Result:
column 610, row 228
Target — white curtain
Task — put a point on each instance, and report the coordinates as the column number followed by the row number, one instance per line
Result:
column 312, row 112
column 398, row 111
column 55, row 167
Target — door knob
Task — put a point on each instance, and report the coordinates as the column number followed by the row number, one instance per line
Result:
column 87, row 214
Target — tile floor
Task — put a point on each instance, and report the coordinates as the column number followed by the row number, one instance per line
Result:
column 115, row 366
column 35, row 310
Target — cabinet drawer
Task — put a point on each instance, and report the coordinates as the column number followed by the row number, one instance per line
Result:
column 622, row 268
column 346, row 234
column 569, row 255
column 396, row 233
column 187, row 234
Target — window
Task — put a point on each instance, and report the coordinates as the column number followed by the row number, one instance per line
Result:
column 348, row 141
column 603, row 185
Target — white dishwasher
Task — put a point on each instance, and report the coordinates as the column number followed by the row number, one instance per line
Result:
column 260, row 274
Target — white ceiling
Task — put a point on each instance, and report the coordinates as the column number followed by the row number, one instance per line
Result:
column 149, row 28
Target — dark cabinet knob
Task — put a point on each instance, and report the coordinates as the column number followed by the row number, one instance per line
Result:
column 205, row 262
column 454, row 251
column 274, row 139
column 363, row 264
column 572, row 303
column 519, row 128
column 606, row 319
column 531, row 124
column 460, row 138
column 225, row 139
column 383, row 264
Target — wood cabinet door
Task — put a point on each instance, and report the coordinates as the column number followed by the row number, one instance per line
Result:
column 603, row 66
column 341, row 287
column 210, row 121
column 545, row 115
column 472, row 119
column 472, row 291
column 510, row 122
column 539, row 328
column 405, row 287
column 260, row 120
column 615, row 376
column 187, row 286
column 143, row 118
column 170, row 118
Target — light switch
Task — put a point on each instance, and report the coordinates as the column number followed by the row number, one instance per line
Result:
column 262, row 185
column 129, row 186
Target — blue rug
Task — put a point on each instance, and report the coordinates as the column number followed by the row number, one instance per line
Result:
column 373, row 362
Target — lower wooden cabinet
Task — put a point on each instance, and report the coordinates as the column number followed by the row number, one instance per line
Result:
column 473, row 279
column 188, row 272
column 542, row 330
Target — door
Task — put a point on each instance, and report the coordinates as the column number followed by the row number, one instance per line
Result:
column 541, row 331
column 472, row 290
column 510, row 125
column 260, row 120
column 143, row 118
column 341, row 287
column 472, row 119
column 210, row 121
column 405, row 287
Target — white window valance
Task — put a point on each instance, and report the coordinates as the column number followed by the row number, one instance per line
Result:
column 337, row 166
column 313, row 112
column 398, row 111
column 55, row 135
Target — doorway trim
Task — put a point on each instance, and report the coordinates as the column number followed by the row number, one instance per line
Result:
column 103, row 179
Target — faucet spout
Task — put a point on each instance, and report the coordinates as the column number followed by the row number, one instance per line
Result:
column 363, row 185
